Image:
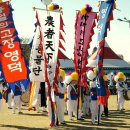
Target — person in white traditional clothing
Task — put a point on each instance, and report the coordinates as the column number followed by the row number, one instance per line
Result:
column 86, row 101
column 61, row 92
column 16, row 101
column 91, row 75
column 7, row 94
column 9, row 99
column 121, row 88
column 71, row 81
column 36, row 99
column 108, row 94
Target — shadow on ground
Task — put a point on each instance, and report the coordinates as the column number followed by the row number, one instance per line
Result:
column 115, row 121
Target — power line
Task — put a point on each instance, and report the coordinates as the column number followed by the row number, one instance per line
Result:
column 124, row 20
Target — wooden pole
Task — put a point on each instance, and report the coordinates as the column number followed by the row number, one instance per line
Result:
column 57, row 11
column 99, row 115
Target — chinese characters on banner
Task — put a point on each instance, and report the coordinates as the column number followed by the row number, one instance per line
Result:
column 105, row 14
column 12, row 62
column 50, row 25
column 83, row 33
column 36, row 60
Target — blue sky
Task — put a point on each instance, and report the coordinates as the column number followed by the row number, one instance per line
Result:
column 118, row 38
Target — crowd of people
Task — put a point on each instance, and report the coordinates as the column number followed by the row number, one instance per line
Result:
column 65, row 95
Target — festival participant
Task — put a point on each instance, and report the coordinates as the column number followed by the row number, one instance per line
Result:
column 121, row 88
column 38, row 104
column 16, row 101
column 71, row 81
column 61, row 92
column 40, row 97
column 86, row 101
column 108, row 94
column 8, row 97
column 35, row 96
column 43, row 96
column 91, row 75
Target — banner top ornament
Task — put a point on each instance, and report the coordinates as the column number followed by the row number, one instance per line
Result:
column 86, row 9
column 53, row 6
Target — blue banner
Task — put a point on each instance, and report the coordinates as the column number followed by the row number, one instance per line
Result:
column 105, row 11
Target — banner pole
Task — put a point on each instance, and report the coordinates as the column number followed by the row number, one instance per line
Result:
column 98, row 114
column 57, row 11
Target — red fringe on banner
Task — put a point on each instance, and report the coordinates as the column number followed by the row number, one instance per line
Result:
column 61, row 37
column 61, row 46
column 102, row 100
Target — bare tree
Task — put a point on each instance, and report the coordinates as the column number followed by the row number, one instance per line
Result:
column 26, row 49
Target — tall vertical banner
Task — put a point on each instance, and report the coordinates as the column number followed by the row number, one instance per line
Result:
column 36, row 59
column 106, row 10
column 37, row 68
column 83, row 32
column 11, row 59
column 50, row 25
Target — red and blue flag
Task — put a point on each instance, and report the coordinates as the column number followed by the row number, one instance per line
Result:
column 105, row 13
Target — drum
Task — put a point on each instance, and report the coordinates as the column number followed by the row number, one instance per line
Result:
column 25, row 97
column 127, row 95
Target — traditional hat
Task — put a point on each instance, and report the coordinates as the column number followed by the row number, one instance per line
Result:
column 91, row 74
column 105, row 77
column 72, row 76
column 120, row 75
column 94, row 70
column 62, row 73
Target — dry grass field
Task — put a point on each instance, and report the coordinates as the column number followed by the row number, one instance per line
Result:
column 31, row 120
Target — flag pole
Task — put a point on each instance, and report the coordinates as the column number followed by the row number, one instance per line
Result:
column 101, row 48
column 99, row 115
column 78, row 91
column 57, row 11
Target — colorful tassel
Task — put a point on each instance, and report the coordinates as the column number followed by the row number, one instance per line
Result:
column 83, row 11
column 98, row 4
column 115, row 4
